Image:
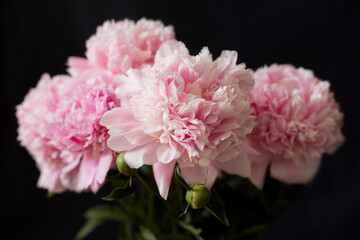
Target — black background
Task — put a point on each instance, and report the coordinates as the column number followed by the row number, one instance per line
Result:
column 38, row 36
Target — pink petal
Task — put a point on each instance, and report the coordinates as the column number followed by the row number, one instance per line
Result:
column 105, row 163
column 240, row 165
column 258, row 173
column 163, row 175
column 165, row 153
column 129, row 86
column 119, row 117
column 119, row 144
column 144, row 154
column 228, row 155
column 87, row 171
column 196, row 175
column 260, row 161
column 287, row 171
column 138, row 137
column 69, row 174
column 77, row 65
column 49, row 179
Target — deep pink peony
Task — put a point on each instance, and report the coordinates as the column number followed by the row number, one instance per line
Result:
column 189, row 110
column 119, row 46
column 59, row 126
column 298, row 120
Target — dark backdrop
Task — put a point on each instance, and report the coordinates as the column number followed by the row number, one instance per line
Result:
column 38, row 36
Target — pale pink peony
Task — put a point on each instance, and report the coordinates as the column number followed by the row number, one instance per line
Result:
column 119, row 46
column 189, row 110
column 78, row 66
column 59, row 126
column 298, row 120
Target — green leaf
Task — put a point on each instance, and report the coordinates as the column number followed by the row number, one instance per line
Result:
column 235, row 182
column 285, row 203
column 100, row 214
column 217, row 208
column 255, row 229
column 146, row 234
column 180, row 179
column 88, row 227
column 119, row 193
column 109, row 213
column 117, row 179
column 191, row 229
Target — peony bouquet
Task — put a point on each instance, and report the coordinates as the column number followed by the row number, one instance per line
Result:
column 193, row 147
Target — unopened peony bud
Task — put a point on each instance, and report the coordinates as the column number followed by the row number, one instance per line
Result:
column 198, row 196
column 123, row 167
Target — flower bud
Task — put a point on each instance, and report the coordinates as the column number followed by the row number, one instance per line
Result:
column 198, row 196
column 123, row 167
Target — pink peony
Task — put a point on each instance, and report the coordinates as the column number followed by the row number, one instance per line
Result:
column 119, row 46
column 189, row 110
column 298, row 120
column 59, row 126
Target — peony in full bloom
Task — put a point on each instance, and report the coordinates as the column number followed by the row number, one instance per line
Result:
column 188, row 110
column 119, row 46
column 59, row 119
column 298, row 120
column 59, row 126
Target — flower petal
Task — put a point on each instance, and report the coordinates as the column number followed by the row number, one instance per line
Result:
column 119, row 144
column 77, row 65
column 258, row 173
column 163, row 175
column 260, row 161
column 119, row 117
column 196, row 175
column 144, row 154
column 105, row 163
column 87, row 171
column 138, row 137
column 50, row 180
column 165, row 153
column 287, row 171
column 239, row 165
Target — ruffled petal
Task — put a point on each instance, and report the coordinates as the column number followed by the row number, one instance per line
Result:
column 77, row 65
column 165, row 153
column 50, row 180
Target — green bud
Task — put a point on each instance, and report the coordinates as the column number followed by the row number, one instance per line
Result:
column 198, row 196
column 123, row 167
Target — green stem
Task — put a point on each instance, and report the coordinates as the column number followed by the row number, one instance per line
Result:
column 128, row 231
column 150, row 216
column 179, row 192
column 178, row 177
column 174, row 231
column 146, row 185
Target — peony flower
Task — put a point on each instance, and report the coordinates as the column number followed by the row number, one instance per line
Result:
column 59, row 126
column 119, row 46
column 298, row 120
column 188, row 110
